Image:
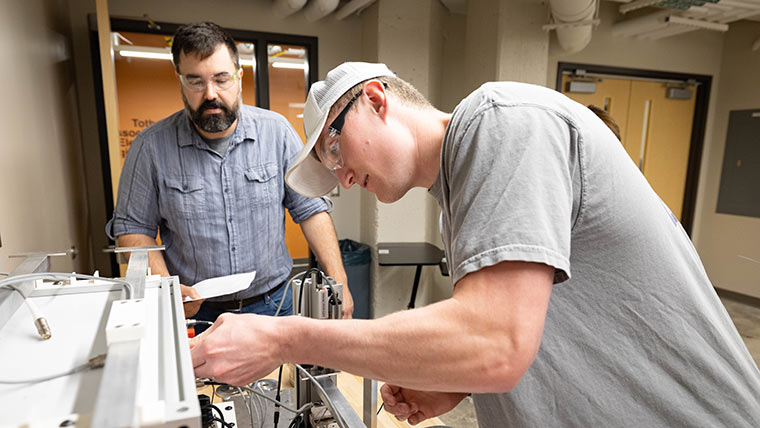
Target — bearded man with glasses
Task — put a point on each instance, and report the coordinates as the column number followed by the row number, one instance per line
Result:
column 211, row 178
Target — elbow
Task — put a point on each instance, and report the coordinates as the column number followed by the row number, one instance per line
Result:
column 507, row 368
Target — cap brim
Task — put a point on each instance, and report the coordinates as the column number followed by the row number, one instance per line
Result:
column 307, row 175
column 310, row 178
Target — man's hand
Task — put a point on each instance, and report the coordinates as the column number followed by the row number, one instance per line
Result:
column 348, row 303
column 238, row 349
column 191, row 308
column 416, row 406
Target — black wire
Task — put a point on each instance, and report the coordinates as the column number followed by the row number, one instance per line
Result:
column 295, row 422
column 224, row 424
column 381, row 408
column 221, row 416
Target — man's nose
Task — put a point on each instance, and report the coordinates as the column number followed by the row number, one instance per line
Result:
column 346, row 177
column 209, row 92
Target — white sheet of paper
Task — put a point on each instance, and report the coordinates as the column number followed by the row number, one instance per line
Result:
column 222, row 285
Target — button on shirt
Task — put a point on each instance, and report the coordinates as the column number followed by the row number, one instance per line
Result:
column 217, row 215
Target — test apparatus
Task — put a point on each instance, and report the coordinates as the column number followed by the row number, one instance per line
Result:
column 114, row 353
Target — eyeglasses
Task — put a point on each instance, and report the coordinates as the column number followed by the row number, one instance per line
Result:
column 220, row 82
column 332, row 159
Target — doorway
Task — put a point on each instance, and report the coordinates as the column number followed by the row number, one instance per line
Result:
column 661, row 116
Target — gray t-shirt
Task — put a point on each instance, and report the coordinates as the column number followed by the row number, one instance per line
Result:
column 219, row 145
column 635, row 334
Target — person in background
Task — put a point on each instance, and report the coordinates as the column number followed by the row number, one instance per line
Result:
column 211, row 179
column 578, row 301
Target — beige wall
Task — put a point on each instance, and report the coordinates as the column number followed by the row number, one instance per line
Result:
column 41, row 184
column 722, row 237
column 523, row 44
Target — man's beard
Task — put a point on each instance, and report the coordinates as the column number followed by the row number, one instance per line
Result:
column 213, row 122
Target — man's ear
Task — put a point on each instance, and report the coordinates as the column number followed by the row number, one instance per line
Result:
column 375, row 92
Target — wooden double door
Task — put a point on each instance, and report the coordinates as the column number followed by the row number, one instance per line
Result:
column 654, row 129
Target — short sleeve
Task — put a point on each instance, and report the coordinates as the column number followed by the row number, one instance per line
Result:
column 137, row 201
column 300, row 207
column 510, row 189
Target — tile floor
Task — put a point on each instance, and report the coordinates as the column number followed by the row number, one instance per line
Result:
column 746, row 318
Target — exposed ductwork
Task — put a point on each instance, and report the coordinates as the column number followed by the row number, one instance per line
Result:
column 682, row 16
column 573, row 20
column 318, row 9
column 283, row 8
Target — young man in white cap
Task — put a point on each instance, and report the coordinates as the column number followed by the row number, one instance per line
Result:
column 635, row 336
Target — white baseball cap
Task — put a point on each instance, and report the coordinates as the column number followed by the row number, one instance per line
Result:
column 307, row 175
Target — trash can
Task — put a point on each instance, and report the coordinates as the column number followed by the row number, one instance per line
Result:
column 356, row 260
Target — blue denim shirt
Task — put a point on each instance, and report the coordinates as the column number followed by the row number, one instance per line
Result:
column 218, row 215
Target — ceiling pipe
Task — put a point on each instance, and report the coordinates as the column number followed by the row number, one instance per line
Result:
column 573, row 20
column 318, row 9
column 353, row 6
column 283, row 8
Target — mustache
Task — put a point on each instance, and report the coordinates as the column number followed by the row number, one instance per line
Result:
column 209, row 104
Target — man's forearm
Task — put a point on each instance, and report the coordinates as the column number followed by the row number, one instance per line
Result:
column 155, row 258
column 323, row 241
column 425, row 349
column 481, row 340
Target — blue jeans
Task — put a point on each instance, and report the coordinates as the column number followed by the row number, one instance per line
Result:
column 266, row 306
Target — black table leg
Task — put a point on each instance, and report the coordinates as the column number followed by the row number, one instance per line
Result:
column 414, row 287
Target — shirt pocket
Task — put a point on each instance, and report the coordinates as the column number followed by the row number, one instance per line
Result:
column 260, row 183
column 185, row 197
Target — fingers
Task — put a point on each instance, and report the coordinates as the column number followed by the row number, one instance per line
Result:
column 189, row 292
column 387, row 391
column 197, row 340
column 396, row 404
column 348, row 305
column 198, row 356
column 199, row 350
column 192, row 308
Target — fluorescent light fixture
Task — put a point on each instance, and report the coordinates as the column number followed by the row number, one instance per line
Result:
column 150, row 53
column 164, row 53
column 301, row 52
column 291, row 65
